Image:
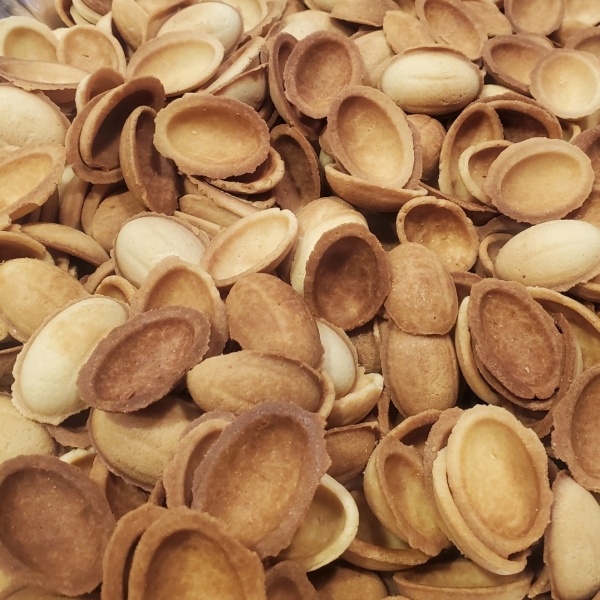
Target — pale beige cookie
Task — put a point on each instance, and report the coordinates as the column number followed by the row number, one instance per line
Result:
column 570, row 545
column 555, row 255
column 58, row 82
column 46, row 369
column 424, row 88
column 28, row 39
column 236, row 251
column 68, row 240
column 145, row 240
column 75, row 44
column 31, row 119
column 221, row 20
column 328, row 528
column 376, row 548
column 182, row 60
column 461, row 534
column 21, row 436
column 28, row 176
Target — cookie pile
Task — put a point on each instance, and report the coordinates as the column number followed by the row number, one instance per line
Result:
column 299, row 300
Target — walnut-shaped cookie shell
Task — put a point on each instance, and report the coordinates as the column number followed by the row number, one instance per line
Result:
column 515, row 339
column 301, row 180
column 30, row 291
column 461, row 534
column 260, row 477
column 395, row 490
column 509, row 59
column 46, row 369
column 121, row 546
column 421, row 371
column 559, row 254
column 101, row 131
column 287, row 581
column 370, row 136
column 574, row 525
column 350, row 296
column 55, row 524
column 255, row 243
column 196, row 440
column 181, row 60
column 539, row 180
column 139, row 362
column 177, row 282
column 432, row 79
column 328, row 528
column 452, row 24
column 186, row 553
column 268, row 315
column 538, row 16
column 211, row 136
column 349, row 448
column 320, row 67
column 574, row 439
column 375, row 547
column 461, row 579
column 149, row 176
column 28, row 176
column 239, row 381
column 477, row 123
column 423, row 298
column 443, row 227
column 137, row 446
column 148, row 238
column 497, row 471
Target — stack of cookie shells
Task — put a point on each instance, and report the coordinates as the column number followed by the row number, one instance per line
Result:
column 299, row 300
